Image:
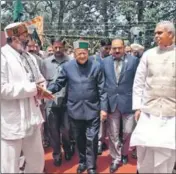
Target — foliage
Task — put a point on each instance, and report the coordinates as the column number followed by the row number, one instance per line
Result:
column 95, row 18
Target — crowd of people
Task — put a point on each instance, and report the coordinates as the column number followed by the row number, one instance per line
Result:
column 121, row 98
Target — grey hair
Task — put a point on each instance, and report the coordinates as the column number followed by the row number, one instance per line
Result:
column 168, row 25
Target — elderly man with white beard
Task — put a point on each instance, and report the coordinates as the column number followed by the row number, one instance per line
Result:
column 154, row 93
column 21, row 119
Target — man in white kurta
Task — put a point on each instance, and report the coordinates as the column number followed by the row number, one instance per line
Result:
column 20, row 113
column 154, row 99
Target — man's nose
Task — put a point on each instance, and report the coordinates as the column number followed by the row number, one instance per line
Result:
column 58, row 49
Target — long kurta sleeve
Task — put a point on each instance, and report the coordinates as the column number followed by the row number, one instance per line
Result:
column 102, row 93
column 59, row 83
column 11, row 91
column 139, row 83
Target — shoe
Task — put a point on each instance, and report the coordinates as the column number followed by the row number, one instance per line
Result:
column 68, row 156
column 100, row 151
column 114, row 167
column 124, row 159
column 137, row 172
column 81, row 168
column 72, row 148
column 46, row 143
column 58, row 162
column 91, row 171
column 133, row 154
column 104, row 147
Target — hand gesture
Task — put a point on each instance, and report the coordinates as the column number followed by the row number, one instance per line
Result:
column 103, row 115
column 137, row 115
column 43, row 93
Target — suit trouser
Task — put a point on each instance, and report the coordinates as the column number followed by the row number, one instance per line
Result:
column 102, row 132
column 86, row 136
column 55, row 121
column 32, row 150
column 114, row 125
column 155, row 159
column 44, row 126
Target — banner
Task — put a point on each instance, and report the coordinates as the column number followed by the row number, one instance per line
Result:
column 36, row 23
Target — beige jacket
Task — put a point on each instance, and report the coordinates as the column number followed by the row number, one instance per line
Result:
column 154, row 89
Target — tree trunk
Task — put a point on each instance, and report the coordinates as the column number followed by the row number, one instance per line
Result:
column 61, row 17
column 105, row 17
column 140, row 11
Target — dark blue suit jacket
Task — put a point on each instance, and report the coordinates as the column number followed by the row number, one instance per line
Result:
column 120, row 94
column 85, row 83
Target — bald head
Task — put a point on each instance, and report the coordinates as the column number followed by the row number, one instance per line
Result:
column 115, row 41
column 118, row 48
column 164, row 33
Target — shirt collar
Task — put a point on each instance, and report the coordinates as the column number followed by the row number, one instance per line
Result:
column 168, row 48
column 121, row 59
column 59, row 60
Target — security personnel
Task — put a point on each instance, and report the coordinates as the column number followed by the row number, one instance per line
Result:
column 57, row 118
column 86, row 102
column 103, row 53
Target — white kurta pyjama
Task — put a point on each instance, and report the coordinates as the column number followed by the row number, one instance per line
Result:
column 154, row 135
column 21, row 118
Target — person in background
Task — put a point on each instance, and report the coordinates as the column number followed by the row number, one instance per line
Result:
column 154, row 101
column 70, row 53
column 137, row 50
column 50, row 51
column 128, row 49
column 32, row 48
column 105, row 47
column 56, row 112
column 119, row 69
column 86, row 102
column 103, row 53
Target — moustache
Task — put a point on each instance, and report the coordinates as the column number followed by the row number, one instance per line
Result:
column 58, row 52
column 31, row 51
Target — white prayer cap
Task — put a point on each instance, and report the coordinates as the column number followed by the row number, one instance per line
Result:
column 15, row 29
column 136, row 47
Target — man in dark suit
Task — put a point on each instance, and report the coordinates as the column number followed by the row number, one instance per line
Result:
column 119, row 71
column 103, row 53
column 86, row 102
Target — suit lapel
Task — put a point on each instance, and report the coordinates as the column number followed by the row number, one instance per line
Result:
column 124, row 67
column 113, row 70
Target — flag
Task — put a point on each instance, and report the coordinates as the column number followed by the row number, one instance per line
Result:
column 18, row 11
column 36, row 23
column 36, row 37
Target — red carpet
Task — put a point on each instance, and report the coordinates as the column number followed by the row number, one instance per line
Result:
column 102, row 164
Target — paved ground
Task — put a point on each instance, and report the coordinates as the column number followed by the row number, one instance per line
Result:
column 102, row 164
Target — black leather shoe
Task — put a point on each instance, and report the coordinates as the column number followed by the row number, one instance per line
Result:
column 72, row 148
column 68, row 156
column 124, row 159
column 100, row 151
column 58, row 162
column 91, row 171
column 134, row 154
column 81, row 168
column 114, row 167
column 104, row 147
